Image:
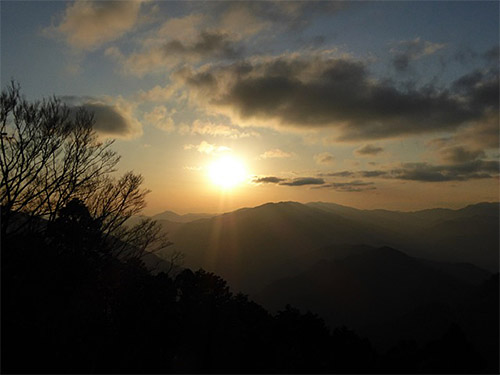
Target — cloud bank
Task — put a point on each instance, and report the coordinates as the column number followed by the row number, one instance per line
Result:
column 317, row 92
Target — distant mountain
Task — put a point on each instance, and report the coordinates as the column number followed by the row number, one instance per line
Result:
column 251, row 247
column 469, row 235
column 373, row 286
column 186, row 218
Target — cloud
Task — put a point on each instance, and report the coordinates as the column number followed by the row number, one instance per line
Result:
column 114, row 117
column 460, row 154
column 206, row 148
column 184, row 28
column 353, row 186
column 288, row 15
column 367, row 174
column 157, row 93
column 193, row 168
column 425, row 172
column 164, row 55
column 160, row 117
column 240, row 19
column 268, row 180
column 324, row 158
column 317, row 92
column 301, row 181
column 220, row 32
column 216, row 129
column 276, row 154
column 410, row 50
column 369, row 150
column 89, row 24
column 481, row 134
column 209, row 43
column 337, row 174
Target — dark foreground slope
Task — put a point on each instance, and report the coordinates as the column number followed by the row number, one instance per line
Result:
column 70, row 310
column 390, row 296
column 383, row 281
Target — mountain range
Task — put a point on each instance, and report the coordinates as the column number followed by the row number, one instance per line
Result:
column 389, row 275
column 252, row 247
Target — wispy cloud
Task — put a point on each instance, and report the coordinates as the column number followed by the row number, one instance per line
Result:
column 216, row 129
column 352, row 186
column 324, row 158
column 206, row 148
column 161, row 118
column 368, row 150
column 276, row 154
column 409, row 50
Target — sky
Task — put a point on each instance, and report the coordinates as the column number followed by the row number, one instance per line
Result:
column 222, row 105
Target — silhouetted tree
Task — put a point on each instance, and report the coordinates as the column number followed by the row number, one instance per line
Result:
column 51, row 154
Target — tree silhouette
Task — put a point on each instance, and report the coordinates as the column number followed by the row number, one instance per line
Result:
column 50, row 154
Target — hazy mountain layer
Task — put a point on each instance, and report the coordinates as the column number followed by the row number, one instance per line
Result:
column 253, row 246
column 176, row 218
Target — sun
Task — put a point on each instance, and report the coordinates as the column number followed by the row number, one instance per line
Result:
column 227, row 172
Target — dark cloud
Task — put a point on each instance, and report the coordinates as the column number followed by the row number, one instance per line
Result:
column 439, row 173
column 300, row 181
column 112, row 119
column 369, row 150
column 209, row 44
column 353, row 186
column 268, row 180
column 460, row 154
column 401, row 62
column 425, row 172
column 372, row 173
column 340, row 93
column 303, row 181
column 203, row 80
column 338, row 174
